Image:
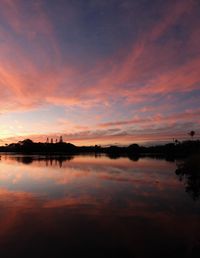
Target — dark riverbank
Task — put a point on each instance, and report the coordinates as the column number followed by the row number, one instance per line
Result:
column 170, row 150
column 188, row 171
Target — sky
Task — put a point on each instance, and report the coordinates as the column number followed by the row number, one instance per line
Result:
column 99, row 71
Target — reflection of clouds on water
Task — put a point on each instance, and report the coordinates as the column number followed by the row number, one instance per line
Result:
column 119, row 181
column 132, row 218
column 85, row 170
column 130, row 203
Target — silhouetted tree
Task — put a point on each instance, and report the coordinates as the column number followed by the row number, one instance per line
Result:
column 192, row 133
column 176, row 141
column 61, row 139
column 26, row 142
column 134, row 148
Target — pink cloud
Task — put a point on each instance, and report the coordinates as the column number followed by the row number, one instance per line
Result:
column 65, row 83
column 186, row 116
column 148, row 68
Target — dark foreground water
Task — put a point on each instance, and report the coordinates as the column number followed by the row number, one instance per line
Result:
column 95, row 207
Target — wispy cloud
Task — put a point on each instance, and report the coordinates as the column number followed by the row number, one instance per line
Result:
column 161, row 60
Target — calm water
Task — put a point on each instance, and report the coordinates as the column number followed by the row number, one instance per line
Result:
column 87, row 206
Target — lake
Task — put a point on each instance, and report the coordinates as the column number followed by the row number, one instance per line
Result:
column 94, row 206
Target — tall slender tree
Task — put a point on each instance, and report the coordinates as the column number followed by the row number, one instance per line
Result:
column 192, row 133
column 61, row 139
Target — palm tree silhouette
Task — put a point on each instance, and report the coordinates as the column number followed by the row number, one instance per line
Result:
column 192, row 133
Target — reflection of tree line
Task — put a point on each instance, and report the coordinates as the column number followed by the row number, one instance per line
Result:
column 58, row 160
column 49, row 160
column 55, row 154
column 189, row 172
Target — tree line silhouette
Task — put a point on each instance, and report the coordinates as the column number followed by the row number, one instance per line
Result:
column 170, row 150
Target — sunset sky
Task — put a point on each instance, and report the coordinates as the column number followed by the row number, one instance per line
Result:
column 99, row 71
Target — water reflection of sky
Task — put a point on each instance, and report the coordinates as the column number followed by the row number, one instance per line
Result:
column 139, row 201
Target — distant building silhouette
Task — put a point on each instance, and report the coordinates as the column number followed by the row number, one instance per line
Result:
column 51, row 140
column 47, row 141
